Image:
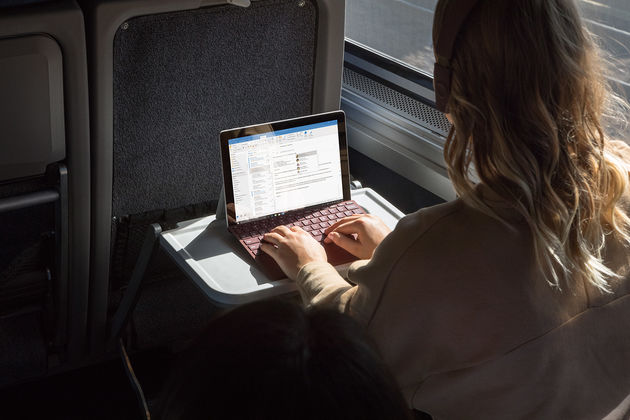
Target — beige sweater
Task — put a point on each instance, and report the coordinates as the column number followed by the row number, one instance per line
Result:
column 471, row 330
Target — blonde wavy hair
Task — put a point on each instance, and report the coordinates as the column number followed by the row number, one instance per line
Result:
column 528, row 101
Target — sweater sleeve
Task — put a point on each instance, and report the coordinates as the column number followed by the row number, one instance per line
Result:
column 320, row 284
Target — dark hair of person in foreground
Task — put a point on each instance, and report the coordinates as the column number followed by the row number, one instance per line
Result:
column 275, row 360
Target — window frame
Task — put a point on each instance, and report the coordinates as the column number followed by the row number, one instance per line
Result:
column 389, row 71
column 393, row 139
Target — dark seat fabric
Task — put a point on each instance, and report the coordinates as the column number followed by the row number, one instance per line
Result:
column 169, row 77
column 12, row 3
column 26, row 253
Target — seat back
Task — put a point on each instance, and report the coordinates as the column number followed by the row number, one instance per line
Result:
column 168, row 76
column 31, row 108
column 44, row 187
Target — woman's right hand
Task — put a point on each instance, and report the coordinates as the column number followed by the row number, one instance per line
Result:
column 359, row 234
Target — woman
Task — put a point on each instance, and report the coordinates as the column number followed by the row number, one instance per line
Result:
column 513, row 300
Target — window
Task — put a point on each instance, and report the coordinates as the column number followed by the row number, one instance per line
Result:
column 609, row 20
column 387, row 87
column 401, row 30
column 388, row 91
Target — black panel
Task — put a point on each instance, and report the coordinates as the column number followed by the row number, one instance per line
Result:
column 22, row 351
column 26, row 247
column 402, row 193
column 22, row 229
column 180, row 78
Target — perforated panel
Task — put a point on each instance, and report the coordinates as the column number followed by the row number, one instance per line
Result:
column 423, row 114
column 180, row 78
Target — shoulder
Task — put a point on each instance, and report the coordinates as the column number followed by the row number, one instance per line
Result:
column 439, row 227
column 454, row 232
column 409, row 230
column 418, row 223
column 372, row 276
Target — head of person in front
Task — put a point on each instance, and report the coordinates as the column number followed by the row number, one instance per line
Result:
column 272, row 359
column 511, row 301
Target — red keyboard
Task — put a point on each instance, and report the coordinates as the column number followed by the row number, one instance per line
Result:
column 315, row 221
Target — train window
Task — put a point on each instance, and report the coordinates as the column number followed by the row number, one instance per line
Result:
column 387, row 90
column 400, row 29
column 609, row 21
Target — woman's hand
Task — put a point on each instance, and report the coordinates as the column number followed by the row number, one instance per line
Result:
column 359, row 234
column 292, row 249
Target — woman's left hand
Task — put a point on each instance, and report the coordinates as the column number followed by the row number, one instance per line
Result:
column 292, row 248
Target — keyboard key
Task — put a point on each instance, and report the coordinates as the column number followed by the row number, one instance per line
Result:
column 315, row 223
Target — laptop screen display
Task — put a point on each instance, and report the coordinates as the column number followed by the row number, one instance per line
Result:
column 277, row 171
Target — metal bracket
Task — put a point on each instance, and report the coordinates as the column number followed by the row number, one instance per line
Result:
column 132, row 294
column 62, row 262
